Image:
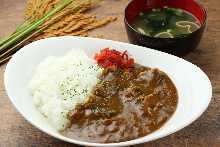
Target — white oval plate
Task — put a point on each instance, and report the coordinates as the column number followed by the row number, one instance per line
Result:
column 194, row 87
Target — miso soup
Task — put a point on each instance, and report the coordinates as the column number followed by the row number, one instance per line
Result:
column 166, row 22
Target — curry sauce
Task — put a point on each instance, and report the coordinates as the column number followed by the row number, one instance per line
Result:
column 125, row 104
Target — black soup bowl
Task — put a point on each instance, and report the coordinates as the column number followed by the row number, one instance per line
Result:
column 178, row 45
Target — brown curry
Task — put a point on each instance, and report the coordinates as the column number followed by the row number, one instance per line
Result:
column 126, row 104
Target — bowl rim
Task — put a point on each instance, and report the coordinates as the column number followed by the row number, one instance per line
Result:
column 203, row 24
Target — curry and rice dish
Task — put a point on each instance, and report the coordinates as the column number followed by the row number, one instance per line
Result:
column 114, row 100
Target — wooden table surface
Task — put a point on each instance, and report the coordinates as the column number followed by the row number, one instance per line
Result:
column 15, row 131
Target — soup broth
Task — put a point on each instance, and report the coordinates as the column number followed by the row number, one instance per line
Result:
column 166, row 22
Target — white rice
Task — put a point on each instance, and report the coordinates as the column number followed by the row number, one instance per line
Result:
column 60, row 83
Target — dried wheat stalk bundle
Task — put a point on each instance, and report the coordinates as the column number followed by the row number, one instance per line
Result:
column 48, row 18
column 64, row 22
